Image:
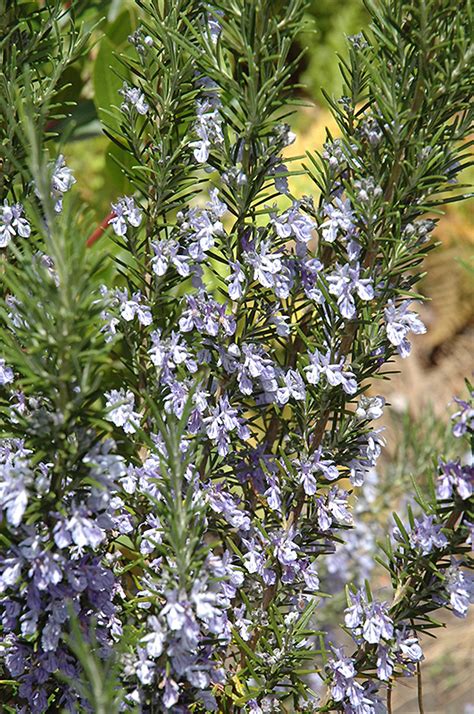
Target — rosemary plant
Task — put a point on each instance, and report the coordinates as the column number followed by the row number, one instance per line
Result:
column 185, row 448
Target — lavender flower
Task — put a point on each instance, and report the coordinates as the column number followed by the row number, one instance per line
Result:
column 236, row 281
column 459, row 587
column 293, row 223
column 270, row 270
column 223, row 420
column 120, row 405
column 12, row 223
column 426, row 535
column 133, row 99
column 6, row 373
column 370, row 408
column 15, row 478
column 167, row 251
column 307, row 468
column 344, row 282
column 126, row 213
column 134, row 307
column 463, row 418
column 368, row 620
column 62, row 181
column 455, row 479
column 207, row 128
column 340, row 220
column 167, row 354
column 321, row 365
column 399, row 323
column 207, row 316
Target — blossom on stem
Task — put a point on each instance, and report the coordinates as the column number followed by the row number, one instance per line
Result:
column 344, row 283
column 399, row 322
column 6, row 373
column 12, row 223
column 62, row 180
column 459, row 586
column 167, row 251
column 133, row 99
column 454, row 478
column 133, row 307
column 120, row 404
column 464, row 418
column 125, row 213
column 222, row 421
column 340, row 220
column 269, row 269
column 321, row 365
column 208, row 128
column 293, row 223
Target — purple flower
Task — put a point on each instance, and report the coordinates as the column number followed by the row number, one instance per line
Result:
column 168, row 353
column 15, row 478
column 83, row 529
column 208, row 128
column 133, row 99
column 273, row 494
column 154, row 640
column 292, row 223
column 133, row 307
column 344, row 282
column 206, row 315
column 463, row 418
column 120, row 406
column 228, row 506
column 285, row 548
column 126, row 213
column 201, row 227
column 236, row 281
column 455, row 478
column 321, row 364
column 62, row 180
column 400, row 321
column 293, row 388
column 369, row 620
column 306, row 469
column 339, row 220
column 166, row 253
column 459, row 587
column 427, row 535
column 12, row 223
column 310, row 269
column 333, row 508
column 344, row 686
column 370, row 408
column 6, row 373
column 280, row 172
column 269, row 269
column 224, row 420
column 171, row 693
column 255, row 365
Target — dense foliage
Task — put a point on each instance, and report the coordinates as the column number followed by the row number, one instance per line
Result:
column 185, row 448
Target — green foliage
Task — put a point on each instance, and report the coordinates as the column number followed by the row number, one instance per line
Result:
column 331, row 22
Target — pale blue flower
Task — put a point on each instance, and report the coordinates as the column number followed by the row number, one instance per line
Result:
column 400, row 321
column 62, row 181
column 120, row 405
column 12, row 223
column 133, row 99
column 126, row 213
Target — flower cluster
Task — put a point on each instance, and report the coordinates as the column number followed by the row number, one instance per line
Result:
column 54, row 570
